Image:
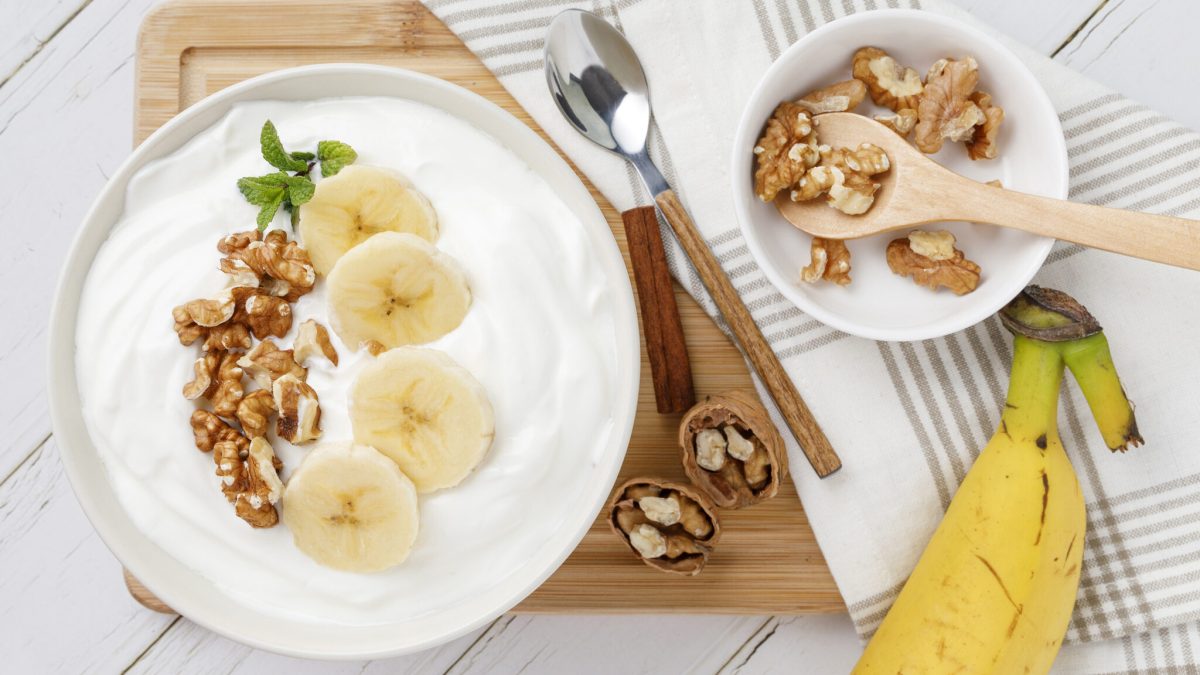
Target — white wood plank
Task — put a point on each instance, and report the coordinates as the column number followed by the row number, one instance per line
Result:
column 188, row 649
column 1147, row 50
column 1040, row 24
column 27, row 25
column 64, row 127
column 798, row 644
column 63, row 604
column 582, row 645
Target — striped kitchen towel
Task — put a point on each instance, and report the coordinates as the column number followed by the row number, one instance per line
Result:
column 909, row 418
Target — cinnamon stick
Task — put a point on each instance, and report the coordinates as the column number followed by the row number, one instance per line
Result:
column 670, row 369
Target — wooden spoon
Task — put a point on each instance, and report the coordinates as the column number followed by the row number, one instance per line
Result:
column 918, row 191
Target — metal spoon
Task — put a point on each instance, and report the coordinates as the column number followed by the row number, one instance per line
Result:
column 918, row 190
column 597, row 82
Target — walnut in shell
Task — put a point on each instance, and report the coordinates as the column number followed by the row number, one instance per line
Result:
column 670, row 526
column 754, row 463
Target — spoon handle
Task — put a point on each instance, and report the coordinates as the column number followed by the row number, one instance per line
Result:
column 1164, row 239
column 799, row 418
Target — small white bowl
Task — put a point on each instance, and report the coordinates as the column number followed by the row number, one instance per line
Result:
column 199, row 598
column 879, row 304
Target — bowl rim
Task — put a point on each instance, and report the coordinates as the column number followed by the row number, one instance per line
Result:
column 164, row 574
column 748, row 129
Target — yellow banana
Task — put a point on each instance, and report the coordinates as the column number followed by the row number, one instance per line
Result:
column 994, row 589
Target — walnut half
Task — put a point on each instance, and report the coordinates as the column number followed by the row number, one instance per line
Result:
column 732, row 451
column 830, row 261
column 891, row 85
column 670, row 526
column 250, row 480
column 932, row 260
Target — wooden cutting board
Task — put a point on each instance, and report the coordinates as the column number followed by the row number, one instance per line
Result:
column 768, row 561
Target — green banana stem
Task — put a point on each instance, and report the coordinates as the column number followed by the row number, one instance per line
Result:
column 1031, row 409
column 1058, row 323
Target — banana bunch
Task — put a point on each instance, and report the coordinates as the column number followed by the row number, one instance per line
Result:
column 420, row 421
column 994, row 589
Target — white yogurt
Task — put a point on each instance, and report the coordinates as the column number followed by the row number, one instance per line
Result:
column 540, row 337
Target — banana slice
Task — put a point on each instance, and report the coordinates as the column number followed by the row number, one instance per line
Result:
column 350, row 508
column 424, row 411
column 396, row 289
column 358, row 202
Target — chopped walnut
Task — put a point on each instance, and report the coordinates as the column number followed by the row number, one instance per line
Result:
column 954, row 272
column 983, row 141
column 185, row 328
column 268, row 315
column 838, row 97
column 231, row 337
column 229, row 390
column 254, row 412
column 251, row 481
column 206, row 312
column 240, row 274
column 208, row 430
column 946, row 110
column 902, row 122
column 299, row 410
column 830, row 261
column 844, row 176
column 267, row 363
column 890, row 84
column 279, row 259
column 313, row 339
column 670, row 526
column 374, row 347
column 786, row 151
column 738, row 482
column 238, row 241
column 204, row 380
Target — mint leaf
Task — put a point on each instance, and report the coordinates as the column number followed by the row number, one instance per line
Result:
column 273, row 152
column 333, row 156
column 299, row 189
column 303, row 156
column 267, row 192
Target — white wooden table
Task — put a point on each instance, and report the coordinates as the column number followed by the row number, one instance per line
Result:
column 66, row 81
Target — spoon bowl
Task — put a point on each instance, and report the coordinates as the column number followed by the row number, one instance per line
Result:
column 918, row 191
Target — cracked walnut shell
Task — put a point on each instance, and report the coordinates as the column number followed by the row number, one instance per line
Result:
column 891, row 85
column 743, row 475
column 932, row 260
column 786, row 151
column 946, row 110
column 671, row 527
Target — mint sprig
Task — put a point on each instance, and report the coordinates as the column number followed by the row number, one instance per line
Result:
column 334, row 155
column 290, row 187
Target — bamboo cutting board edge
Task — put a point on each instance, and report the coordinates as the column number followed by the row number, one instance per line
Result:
column 768, row 561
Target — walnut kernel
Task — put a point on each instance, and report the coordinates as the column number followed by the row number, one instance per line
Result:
column 838, row 97
column 662, row 510
column 229, row 391
column 983, row 141
column 955, row 273
column 786, row 151
column 208, row 430
column 299, row 410
column 254, row 412
column 313, row 339
column 890, row 84
column 267, row 363
column 902, row 122
column 268, row 315
column 830, row 261
column 648, row 541
column 946, row 110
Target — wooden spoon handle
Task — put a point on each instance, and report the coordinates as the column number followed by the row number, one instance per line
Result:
column 799, row 418
column 1164, row 239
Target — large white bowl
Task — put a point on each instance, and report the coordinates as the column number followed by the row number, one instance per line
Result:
column 193, row 595
column 879, row 304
